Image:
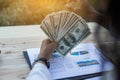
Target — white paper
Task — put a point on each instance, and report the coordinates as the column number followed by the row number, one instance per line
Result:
column 83, row 59
column 96, row 78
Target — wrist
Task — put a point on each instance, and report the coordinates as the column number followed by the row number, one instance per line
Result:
column 43, row 55
column 43, row 61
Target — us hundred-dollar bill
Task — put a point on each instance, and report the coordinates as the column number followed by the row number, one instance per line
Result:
column 73, row 37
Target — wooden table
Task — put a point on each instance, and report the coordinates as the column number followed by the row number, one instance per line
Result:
column 16, row 39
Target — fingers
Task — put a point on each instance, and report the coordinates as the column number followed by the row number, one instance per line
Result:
column 47, row 48
column 49, row 43
column 54, row 45
column 46, row 41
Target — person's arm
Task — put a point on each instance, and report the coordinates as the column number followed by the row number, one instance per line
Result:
column 87, row 11
column 40, row 70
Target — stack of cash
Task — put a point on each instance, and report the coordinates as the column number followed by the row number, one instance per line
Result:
column 66, row 28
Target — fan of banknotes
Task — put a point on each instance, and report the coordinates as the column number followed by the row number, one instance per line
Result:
column 66, row 28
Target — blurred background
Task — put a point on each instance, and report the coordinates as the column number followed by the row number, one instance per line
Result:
column 29, row 12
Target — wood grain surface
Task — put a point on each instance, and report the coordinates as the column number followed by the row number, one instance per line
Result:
column 16, row 39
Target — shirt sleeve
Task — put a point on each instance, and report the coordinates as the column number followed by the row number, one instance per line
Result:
column 39, row 72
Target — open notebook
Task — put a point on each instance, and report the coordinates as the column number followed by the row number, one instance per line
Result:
column 82, row 62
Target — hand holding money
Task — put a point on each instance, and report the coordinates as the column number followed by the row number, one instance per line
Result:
column 47, row 48
column 66, row 28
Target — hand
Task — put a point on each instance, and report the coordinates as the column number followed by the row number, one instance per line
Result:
column 47, row 48
column 83, row 8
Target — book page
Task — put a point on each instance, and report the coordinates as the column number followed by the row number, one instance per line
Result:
column 82, row 60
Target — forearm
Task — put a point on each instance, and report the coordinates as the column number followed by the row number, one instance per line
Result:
column 100, row 19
